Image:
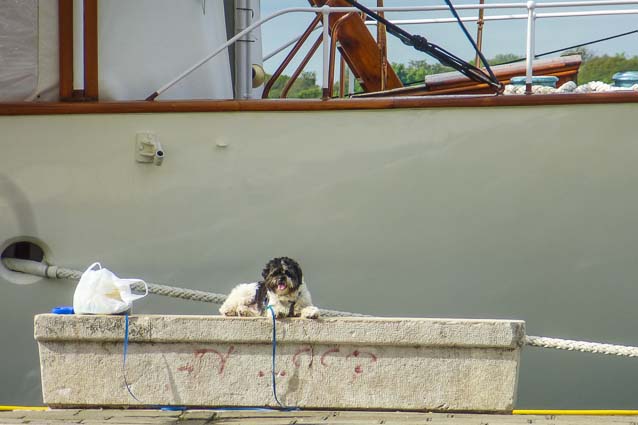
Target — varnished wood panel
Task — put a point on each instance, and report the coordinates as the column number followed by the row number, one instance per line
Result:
column 65, row 34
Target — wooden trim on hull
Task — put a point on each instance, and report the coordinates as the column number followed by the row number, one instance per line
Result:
column 277, row 105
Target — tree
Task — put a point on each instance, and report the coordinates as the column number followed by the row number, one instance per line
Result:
column 602, row 68
column 503, row 58
column 416, row 70
column 304, row 87
column 593, row 68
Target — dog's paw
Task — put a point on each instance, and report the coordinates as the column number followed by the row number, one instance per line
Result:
column 246, row 311
column 310, row 312
column 227, row 309
column 280, row 311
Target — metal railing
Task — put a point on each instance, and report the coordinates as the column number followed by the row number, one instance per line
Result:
column 531, row 15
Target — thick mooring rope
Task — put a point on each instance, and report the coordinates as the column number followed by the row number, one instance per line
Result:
column 55, row 272
column 582, row 346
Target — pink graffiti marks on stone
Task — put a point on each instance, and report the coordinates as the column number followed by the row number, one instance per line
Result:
column 327, row 353
column 223, row 358
column 186, row 368
column 306, row 350
column 357, row 353
column 296, row 361
column 358, row 368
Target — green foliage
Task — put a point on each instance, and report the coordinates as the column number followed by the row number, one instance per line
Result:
column 602, row 68
column 503, row 58
column 593, row 68
column 305, row 87
column 416, row 70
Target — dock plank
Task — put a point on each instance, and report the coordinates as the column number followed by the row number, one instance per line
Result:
column 209, row 417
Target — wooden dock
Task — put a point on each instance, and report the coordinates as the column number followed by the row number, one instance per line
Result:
column 256, row 417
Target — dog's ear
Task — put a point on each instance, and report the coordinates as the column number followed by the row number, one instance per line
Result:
column 297, row 269
column 265, row 271
column 268, row 268
column 261, row 295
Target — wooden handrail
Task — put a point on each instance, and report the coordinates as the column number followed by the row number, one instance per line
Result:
column 279, row 105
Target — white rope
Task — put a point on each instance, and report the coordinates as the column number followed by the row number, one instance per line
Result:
column 582, row 346
column 55, row 272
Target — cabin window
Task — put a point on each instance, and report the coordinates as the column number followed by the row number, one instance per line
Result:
column 18, row 49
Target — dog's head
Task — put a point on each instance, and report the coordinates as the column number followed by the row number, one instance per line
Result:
column 282, row 276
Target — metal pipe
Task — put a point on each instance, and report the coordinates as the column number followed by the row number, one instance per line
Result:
column 336, row 27
column 481, row 17
column 280, row 69
column 511, row 17
column 383, row 48
column 342, row 76
column 325, row 14
column 326, row 10
column 531, row 26
column 224, row 46
column 301, row 66
column 351, row 78
column 286, row 45
column 479, row 34
column 243, row 65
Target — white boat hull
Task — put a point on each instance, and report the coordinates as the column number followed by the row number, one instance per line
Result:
column 497, row 212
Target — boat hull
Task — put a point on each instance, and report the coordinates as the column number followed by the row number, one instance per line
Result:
column 494, row 212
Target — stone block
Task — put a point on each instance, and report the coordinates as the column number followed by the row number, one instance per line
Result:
column 330, row 363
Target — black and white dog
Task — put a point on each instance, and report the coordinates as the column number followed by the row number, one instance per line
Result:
column 282, row 287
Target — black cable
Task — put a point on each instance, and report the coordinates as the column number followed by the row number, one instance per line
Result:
column 423, row 45
column 409, row 83
column 573, row 47
column 469, row 37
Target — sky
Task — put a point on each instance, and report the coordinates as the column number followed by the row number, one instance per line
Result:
column 498, row 36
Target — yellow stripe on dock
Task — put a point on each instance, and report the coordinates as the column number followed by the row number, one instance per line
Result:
column 576, row 412
column 11, row 408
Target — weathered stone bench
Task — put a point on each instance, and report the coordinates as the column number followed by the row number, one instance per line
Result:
column 335, row 363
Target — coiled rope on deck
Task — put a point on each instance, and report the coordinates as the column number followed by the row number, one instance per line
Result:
column 55, row 272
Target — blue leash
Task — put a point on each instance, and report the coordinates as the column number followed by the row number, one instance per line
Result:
column 274, row 355
column 274, row 383
column 128, row 387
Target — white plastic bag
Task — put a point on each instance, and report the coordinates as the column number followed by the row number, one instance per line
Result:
column 99, row 291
